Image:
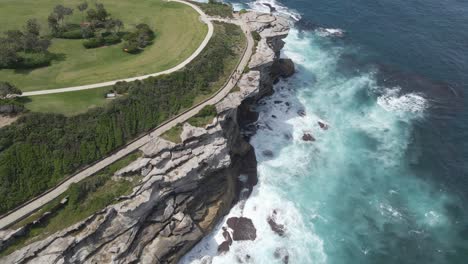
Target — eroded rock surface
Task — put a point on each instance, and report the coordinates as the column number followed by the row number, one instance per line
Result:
column 187, row 187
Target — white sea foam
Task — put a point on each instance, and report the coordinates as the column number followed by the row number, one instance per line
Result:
column 330, row 32
column 392, row 101
column 280, row 9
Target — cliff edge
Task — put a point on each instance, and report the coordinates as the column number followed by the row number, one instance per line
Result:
column 187, row 187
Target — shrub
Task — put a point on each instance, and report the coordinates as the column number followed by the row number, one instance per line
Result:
column 112, row 39
column 72, row 34
column 242, row 11
column 131, row 47
column 121, row 87
column 93, row 43
column 11, row 106
column 34, row 60
column 7, row 89
column 256, row 36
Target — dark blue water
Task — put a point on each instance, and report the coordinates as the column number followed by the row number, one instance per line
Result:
column 387, row 182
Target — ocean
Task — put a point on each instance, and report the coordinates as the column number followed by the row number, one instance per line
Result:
column 380, row 94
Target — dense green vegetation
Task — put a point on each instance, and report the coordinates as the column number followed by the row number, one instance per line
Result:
column 9, row 103
column 40, row 149
column 177, row 27
column 70, row 103
column 84, row 199
column 24, row 49
column 216, row 8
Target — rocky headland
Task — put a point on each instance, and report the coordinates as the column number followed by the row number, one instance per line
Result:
column 187, row 187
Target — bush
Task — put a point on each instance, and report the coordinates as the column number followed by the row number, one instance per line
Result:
column 34, row 60
column 121, row 87
column 112, row 39
column 131, row 47
column 72, row 34
column 11, row 106
column 242, row 11
column 93, row 43
column 256, row 36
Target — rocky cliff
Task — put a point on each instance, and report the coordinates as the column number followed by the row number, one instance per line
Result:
column 187, row 187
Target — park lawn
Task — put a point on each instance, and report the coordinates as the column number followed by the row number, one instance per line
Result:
column 178, row 34
column 69, row 103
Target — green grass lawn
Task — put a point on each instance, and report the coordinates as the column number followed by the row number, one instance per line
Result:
column 177, row 26
column 70, row 103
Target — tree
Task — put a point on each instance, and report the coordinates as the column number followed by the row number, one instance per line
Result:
column 53, row 22
column 14, row 38
column 61, row 12
column 118, row 25
column 7, row 89
column 101, row 12
column 8, row 55
column 33, row 27
column 82, row 7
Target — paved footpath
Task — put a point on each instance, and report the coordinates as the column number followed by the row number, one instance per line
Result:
column 204, row 18
column 45, row 198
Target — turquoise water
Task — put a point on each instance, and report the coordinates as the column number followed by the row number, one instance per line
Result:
column 376, row 186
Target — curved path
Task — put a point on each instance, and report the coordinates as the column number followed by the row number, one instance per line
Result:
column 35, row 204
column 204, row 18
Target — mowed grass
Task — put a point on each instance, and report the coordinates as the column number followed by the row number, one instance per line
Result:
column 177, row 26
column 70, row 103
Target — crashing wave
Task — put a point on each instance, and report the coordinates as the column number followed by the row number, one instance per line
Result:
column 268, row 6
column 392, row 101
column 330, row 32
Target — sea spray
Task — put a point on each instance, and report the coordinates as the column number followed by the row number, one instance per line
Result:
column 332, row 151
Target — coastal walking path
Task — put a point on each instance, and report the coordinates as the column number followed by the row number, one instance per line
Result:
column 203, row 17
column 35, row 204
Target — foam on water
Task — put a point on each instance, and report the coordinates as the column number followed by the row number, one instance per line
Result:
column 262, row 6
column 349, row 196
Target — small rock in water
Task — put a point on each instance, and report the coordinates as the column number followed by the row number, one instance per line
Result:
column 308, row 137
column 267, row 153
column 282, row 253
column 301, row 112
column 243, row 228
column 279, row 229
column 287, row 103
column 226, row 244
column 277, row 102
column 273, row 116
column 323, row 125
column 223, row 247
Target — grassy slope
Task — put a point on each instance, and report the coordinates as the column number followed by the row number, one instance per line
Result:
column 70, row 103
column 177, row 26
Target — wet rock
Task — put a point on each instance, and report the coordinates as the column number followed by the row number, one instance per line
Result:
column 273, row 116
column 308, row 137
column 301, row 112
column 225, row 245
column 279, row 229
column 267, row 153
column 243, row 228
column 322, row 125
column 282, row 253
column 277, row 102
column 283, row 68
